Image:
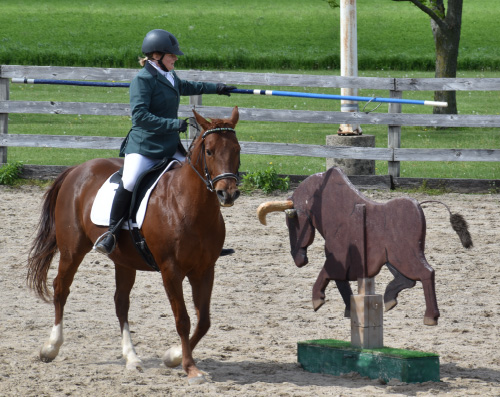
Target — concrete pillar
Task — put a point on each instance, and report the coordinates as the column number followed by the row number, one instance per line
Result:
column 352, row 166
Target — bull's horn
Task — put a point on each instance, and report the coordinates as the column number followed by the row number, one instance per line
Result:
column 272, row 206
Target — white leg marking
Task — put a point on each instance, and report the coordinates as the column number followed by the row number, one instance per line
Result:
column 173, row 356
column 50, row 349
column 197, row 380
column 129, row 354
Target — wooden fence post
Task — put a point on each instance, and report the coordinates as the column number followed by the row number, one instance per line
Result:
column 367, row 324
column 394, row 134
column 194, row 100
column 4, row 117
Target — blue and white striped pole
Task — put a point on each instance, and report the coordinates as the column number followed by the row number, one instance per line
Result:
column 69, row 82
column 340, row 97
column 253, row 92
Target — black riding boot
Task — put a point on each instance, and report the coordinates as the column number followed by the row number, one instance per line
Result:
column 119, row 209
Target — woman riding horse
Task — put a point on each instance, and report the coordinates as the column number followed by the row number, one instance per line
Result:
column 183, row 226
column 154, row 102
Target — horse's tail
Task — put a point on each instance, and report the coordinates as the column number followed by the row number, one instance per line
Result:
column 458, row 223
column 44, row 245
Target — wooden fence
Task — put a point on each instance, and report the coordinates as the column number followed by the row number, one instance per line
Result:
column 394, row 119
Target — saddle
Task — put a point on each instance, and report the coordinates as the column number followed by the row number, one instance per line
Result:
column 144, row 184
column 140, row 196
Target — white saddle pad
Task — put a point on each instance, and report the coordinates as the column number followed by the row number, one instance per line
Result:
column 101, row 208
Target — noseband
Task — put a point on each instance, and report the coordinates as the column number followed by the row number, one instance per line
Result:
column 208, row 180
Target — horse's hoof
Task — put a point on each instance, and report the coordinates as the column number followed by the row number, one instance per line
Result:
column 317, row 303
column 45, row 359
column 134, row 366
column 173, row 357
column 197, row 380
column 48, row 353
column 430, row 321
column 390, row 305
column 347, row 313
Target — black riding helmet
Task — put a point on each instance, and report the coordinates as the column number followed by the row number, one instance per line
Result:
column 159, row 40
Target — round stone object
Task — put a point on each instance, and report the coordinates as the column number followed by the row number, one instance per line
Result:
column 351, row 166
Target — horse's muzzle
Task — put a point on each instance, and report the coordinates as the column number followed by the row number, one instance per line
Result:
column 227, row 199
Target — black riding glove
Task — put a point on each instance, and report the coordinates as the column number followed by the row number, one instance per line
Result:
column 183, row 126
column 223, row 89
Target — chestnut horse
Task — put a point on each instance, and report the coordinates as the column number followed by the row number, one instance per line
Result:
column 183, row 227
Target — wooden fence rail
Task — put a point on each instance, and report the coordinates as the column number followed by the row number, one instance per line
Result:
column 394, row 119
column 267, row 148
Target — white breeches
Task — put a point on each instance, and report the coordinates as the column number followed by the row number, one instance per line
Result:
column 135, row 164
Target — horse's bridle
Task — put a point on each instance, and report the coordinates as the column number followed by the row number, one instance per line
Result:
column 209, row 182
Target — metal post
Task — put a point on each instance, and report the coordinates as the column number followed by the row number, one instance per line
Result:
column 4, row 117
column 394, row 135
column 194, row 100
column 348, row 61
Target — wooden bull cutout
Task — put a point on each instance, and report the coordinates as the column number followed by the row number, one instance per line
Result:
column 361, row 236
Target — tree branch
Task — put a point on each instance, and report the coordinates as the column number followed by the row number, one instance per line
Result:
column 439, row 21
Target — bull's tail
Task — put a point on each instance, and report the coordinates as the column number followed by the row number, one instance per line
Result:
column 458, row 223
column 44, row 245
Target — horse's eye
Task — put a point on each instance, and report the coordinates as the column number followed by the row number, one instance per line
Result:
column 209, row 152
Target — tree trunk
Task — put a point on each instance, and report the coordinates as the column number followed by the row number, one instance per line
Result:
column 447, row 40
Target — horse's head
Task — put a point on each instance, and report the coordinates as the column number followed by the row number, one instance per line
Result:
column 215, row 156
column 300, row 229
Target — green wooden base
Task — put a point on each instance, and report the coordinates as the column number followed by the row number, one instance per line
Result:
column 330, row 356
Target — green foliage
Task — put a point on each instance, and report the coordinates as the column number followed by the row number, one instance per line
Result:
column 333, row 3
column 424, row 188
column 10, row 172
column 268, row 181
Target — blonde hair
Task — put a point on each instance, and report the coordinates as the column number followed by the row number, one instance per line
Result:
column 149, row 57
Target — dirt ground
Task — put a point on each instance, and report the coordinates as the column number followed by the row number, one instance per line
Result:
column 261, row 308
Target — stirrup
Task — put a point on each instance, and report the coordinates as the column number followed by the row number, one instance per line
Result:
column 103, row 249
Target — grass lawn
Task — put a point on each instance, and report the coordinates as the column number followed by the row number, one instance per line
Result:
column 238, row 34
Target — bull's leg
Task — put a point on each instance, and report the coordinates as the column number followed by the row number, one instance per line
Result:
column 419, row 269
column 432, row 311
column 393, row 289
column 319, row 287
column 345, row 290
column 68, row 266
column 125, row 279
column 173, row 286
column 318, row 294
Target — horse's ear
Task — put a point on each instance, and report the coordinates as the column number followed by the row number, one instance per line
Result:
column 205, row 124
column 235, row 116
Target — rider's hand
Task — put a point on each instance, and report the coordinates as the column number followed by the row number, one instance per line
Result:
column 223, row 89
column 183, row 126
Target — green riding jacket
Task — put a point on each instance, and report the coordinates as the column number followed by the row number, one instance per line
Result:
column 154, row 104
